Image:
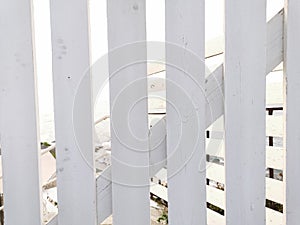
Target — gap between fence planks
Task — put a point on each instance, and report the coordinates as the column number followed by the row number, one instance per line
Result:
column 292, row 111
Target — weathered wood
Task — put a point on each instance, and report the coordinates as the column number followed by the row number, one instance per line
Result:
column 292, row 111
column 19, row 118
column 245, row 89
column 185, row 75
column 157, row 159
column 129, row 122
column 157, row 156
column 73, row 112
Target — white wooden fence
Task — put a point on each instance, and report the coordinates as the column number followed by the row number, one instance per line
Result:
column 237, row 89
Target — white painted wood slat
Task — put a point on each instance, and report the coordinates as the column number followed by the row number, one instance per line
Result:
column 274, row 41
column 274, row 95
column 185, row 74
column 292, row 110
column 274, row 126
column 216, row 197
column 274, row 155
column 215, row 172
column 274, row 190
column 274, row 158
column 104, row 195
column 273, row 217
column 19, row 118
column 73, row 112
column 129, row 122
column 214, row 218
column 245, row 88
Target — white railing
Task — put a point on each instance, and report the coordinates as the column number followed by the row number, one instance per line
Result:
column 232, row 99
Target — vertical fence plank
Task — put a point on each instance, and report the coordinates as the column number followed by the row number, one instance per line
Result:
column 245, row 87
column 185, row 73
column 73, row 112
column 292, row 111
column 128, row 97
column 19, row 119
